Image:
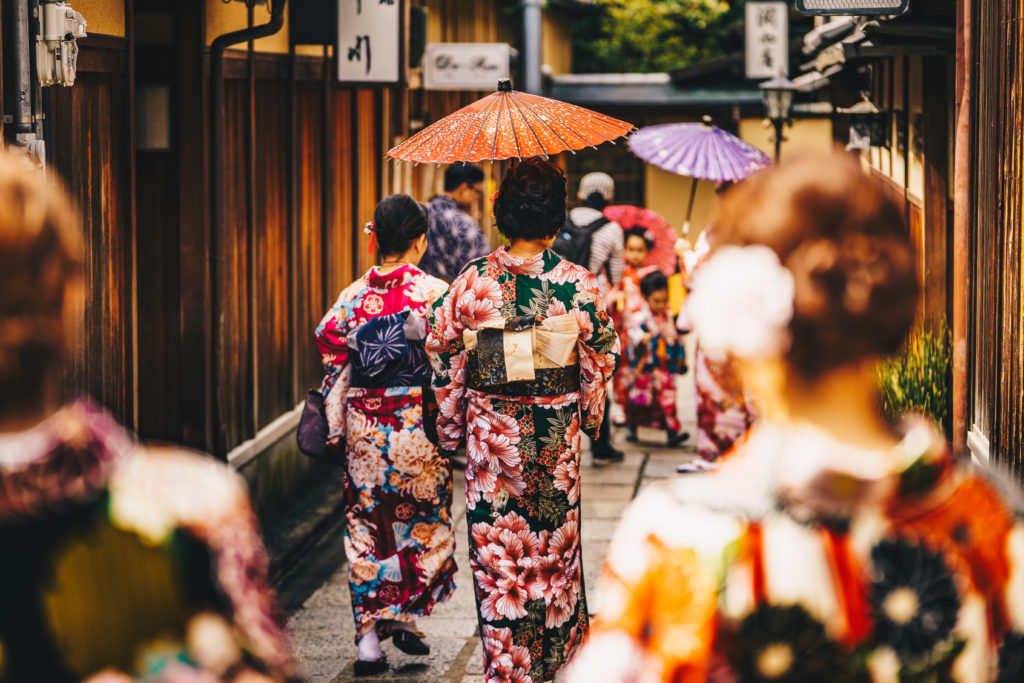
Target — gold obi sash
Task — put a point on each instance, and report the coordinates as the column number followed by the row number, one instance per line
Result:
column 521, row 357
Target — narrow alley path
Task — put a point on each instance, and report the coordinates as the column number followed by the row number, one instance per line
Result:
column 316, row 591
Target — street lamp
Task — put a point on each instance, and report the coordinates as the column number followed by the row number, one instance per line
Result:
column 777, row 96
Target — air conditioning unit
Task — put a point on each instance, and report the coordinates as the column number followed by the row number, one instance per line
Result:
column 56, row 47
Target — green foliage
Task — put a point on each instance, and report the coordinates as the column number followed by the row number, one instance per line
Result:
column 648, row 36
column 918, row 378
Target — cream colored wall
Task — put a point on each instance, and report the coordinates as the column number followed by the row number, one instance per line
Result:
column 668, row 194
column 102, row 17
column 806, row 135
column 224, row 17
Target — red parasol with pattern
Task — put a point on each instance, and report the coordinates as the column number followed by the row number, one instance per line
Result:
column 509, row 124
column 663, row 253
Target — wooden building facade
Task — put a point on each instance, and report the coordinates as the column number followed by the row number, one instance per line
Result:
column 990, row 174
column 197, row 329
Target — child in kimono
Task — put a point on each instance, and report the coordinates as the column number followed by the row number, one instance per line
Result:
column 656, row 354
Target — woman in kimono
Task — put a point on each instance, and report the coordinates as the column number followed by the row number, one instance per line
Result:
column 831, row 545
column 120, row 563
column 522, row 346
column 398, row 535
column 625, row 301
column 724, row 412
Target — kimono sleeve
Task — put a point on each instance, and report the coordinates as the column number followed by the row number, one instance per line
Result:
column 447, row 356
column 332, row 339
column 658, row 605
column 599, row 356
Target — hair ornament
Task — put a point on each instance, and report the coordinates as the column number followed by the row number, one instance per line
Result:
column 742, row 302
column 371, row 229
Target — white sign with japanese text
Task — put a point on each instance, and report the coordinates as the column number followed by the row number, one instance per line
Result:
column 767, row 27
column 369, row 41
column 465, row 66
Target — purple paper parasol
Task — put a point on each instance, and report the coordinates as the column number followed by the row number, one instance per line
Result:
column 698, row 150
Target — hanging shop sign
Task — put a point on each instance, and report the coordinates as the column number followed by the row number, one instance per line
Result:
column 767, row 28
column 852, row 7
column 370, row 44
column 465, row 66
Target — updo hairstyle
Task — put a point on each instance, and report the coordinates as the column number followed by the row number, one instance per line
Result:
column 642, row 233
column 399, row 220
column 842, row 235
column 655, row 281
column 531, row 201
column 40, row 261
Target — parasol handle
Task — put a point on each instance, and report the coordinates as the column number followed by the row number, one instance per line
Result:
column 689, row 209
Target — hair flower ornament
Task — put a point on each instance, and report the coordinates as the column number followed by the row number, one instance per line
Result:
column 742, row 302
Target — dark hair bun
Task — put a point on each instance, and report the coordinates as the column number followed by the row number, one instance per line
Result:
column 653, row 282
column 842, row 235
column 399, row 220
column 531, row 201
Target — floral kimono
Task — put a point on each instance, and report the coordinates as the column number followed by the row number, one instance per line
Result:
column 123, row 563
column 517, row 396
column 626, row 302
column 724, row 413
column 656, row 354
column 806, row 559
column 399, row 539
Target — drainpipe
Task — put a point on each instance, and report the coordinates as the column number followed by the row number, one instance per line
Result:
column 532, row 45
column 217, row 48
column 23, row 130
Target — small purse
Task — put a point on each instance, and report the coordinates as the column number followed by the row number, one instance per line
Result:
column 312, row 432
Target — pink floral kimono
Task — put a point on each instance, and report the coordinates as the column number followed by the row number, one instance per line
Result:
column 399, row 540
column 518, row 401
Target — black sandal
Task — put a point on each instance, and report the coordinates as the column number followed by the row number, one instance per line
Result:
column 364, row 667
column 410, row 642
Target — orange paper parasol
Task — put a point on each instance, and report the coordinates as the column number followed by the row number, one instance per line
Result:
column 509, row 124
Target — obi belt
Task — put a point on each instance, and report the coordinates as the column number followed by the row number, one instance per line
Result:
column 387, row 351
column 522, row 357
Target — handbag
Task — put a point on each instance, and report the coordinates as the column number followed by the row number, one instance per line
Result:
column 312, row 432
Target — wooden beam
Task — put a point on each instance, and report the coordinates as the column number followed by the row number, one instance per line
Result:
column 194, row 225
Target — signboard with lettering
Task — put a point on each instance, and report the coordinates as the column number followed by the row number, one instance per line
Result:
column 852, row 6
column 465, row 66
column 370, row 41
column 767, row 28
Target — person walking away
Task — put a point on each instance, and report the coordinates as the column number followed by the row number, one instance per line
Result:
column 833, row 544
column 604, row 251
column 626, row 301
column 455, row 238
column 522, row 346
column 724, row 411
column 601, row 253
column 656, row 355
column 399, row 539
column 120, row 562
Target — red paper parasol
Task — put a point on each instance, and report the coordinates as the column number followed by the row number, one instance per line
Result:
column 509, row 124
column 663, row 254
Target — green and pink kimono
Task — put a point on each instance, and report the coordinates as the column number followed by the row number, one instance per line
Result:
column 522, row 440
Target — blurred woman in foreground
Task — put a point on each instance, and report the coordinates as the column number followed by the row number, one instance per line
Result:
column 119, row 563
column 830, row 545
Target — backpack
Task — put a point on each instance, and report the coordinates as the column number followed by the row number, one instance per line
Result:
column 573, row 241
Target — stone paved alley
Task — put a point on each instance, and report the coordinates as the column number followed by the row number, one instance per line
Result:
column 316, row 591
